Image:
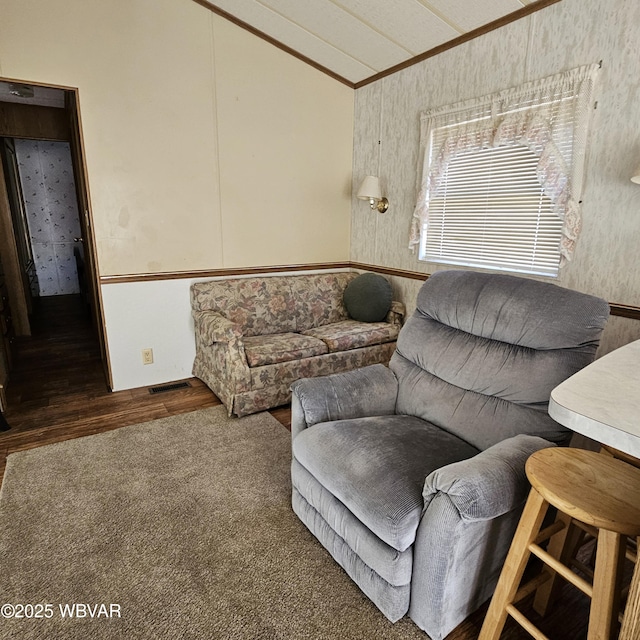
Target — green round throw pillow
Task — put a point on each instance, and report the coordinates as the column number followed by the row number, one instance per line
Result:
column 368, row 298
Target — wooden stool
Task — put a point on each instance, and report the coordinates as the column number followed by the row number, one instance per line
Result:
column 588, row 489
column 619, row 455
column 569, row 548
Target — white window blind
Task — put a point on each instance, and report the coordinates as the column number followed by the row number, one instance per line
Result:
column 501, row 177
column 491, row 212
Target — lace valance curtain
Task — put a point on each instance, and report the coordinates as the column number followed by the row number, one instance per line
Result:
column 549, row 116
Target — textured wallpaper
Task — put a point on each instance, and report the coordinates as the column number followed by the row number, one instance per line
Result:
column 568, row 34
column 46, row 175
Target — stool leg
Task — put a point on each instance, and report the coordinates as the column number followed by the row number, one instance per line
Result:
column 605, row 604
column 631, row 620
column 562, row 546
column 514, row 566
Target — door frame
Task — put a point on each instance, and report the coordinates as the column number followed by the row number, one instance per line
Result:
column 11, row 262
column 78, row 158
column 76, row 142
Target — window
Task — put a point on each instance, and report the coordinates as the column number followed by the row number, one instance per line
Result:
column 492, row 212
column 501, row 177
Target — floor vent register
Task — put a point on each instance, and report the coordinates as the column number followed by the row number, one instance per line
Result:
column 169, row 387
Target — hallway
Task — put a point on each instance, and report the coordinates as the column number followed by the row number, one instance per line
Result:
column 57, row 388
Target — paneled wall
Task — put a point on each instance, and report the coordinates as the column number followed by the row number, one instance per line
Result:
column 566, row 35
column 206, row 148
column 48, row 188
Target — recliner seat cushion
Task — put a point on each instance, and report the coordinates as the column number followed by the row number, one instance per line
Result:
column 392, row 600
column 387, row 459
column 319, row 505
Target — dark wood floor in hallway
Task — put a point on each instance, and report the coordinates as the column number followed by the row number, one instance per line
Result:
column 58, row 391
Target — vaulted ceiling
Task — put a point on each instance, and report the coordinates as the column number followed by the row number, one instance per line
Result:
column 357, row 40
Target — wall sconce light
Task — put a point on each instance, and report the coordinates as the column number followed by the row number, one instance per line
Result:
column 636, row 176
column 370, row 190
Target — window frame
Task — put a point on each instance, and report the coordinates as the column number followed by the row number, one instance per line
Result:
column 549, row 116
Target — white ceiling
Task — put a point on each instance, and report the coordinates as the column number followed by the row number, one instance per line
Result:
column 356, row 39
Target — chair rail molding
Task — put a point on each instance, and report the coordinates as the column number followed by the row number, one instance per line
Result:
column 617, row 309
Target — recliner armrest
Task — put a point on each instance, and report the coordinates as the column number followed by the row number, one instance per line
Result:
column 491, row 483
column 369, row 391
column 212, row 327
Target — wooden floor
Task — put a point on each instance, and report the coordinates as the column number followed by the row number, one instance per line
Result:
column 57, row 391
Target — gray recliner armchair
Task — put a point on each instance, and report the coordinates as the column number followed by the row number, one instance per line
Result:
column 412, row 476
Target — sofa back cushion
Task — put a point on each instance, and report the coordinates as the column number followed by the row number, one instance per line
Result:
column 482, row 353
column 275, row 304
column 260, row 306
column 318, row 299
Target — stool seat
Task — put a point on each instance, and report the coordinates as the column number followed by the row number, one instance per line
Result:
column 589, row 490
column 595, row 489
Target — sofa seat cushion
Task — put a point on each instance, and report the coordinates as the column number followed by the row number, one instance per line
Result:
column 376, row 467
column 281, row 347
column 351, row 334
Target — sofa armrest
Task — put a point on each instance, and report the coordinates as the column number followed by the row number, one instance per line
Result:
column 491, row 483
column 212, row 327
column 369, row 391
column 396, row 313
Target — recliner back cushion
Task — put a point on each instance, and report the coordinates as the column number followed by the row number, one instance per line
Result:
column 482, row 353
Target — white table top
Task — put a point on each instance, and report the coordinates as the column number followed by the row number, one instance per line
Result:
column 602, row 401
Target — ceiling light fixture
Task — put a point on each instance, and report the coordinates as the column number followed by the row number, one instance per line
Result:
column 21, row 90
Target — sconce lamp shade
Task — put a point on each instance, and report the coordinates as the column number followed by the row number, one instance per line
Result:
column 370, row 188
column 636, row 176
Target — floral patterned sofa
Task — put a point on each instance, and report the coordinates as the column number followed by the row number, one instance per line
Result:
column 256, row 336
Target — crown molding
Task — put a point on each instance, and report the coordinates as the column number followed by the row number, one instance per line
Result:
column 276, row 43
column 470, row 35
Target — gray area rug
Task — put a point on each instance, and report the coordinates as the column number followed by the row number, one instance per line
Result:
column 183, row 524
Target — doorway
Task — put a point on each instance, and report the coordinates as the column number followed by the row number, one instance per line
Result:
column 48, row 213
column 47, row 251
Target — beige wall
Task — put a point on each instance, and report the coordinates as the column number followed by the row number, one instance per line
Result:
column 565, row 35
column 285, row 136
column 206, row 147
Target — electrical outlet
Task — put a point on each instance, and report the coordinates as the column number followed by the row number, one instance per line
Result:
column 147, row 356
